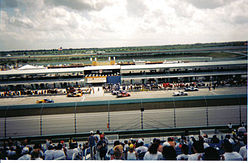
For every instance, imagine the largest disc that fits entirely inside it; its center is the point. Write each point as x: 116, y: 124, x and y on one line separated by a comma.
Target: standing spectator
x: 152, y: 153
x: 169, y: 153
x: 126, y: 148
x: 184, y: 155
x: 97, y: 139
x: 102, y: 147
x: 198, y: 149
x: 91, y: 141
x: 25, y: 154
x: 131, y: 155
x: 229, y: 155
x: 230, y: 127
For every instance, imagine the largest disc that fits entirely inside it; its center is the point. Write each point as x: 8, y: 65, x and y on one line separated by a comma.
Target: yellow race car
x: 45, y: 101
x: 75, y: 94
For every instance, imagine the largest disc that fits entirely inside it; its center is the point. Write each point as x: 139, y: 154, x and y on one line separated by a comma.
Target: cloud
x: 42, y: 24
x: 209, y: 4
x: 8, y: 4
x: 78, y: 4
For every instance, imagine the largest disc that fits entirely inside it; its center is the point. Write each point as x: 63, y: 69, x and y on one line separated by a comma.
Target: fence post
x: 142, y: 110
x: 41, y: 120
x: 174, y: 113
x: 5, y: 123
x: 108, y: 125
x: 240, y: 110
x: 206, y: 110
x: 75, y: 118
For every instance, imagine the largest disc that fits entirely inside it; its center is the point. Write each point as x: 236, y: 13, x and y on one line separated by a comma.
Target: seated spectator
x: 35, y: 155
x: 184, y: 155
x: 25, y: 154
x: 243, y: 150
x: 141, y: 149
x: 48, y: 155
x: 169, y: 153
x: 215, y: 139
x: 211, y: 153
x: 171, y: 142
x: 11, y: 153
x: 160, y: 147
x: 37, y: 149
x: 59, y: 153
x: 131, y: 155
x: 117, y: 154
x: 152, y: 153
x: 229, y: 155
x: 72, y: 149
x: 198, y: 149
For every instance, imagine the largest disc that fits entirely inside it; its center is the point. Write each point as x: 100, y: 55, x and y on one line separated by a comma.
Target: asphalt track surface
x: 101, y: 96
x: 123, y: 120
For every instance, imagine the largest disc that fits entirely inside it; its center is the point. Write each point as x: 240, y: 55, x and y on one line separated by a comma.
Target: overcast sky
x: 49, y: 24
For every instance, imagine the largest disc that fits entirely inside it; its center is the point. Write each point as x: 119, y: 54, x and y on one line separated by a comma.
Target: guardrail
x: 123, y: 134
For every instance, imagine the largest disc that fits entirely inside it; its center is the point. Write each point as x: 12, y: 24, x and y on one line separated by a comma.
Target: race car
x: 74, y: 94
x: 191, y: 89
x: 113, y: 92
x: 180, y: 93
x: 45, y: 101
x: 123, y: 94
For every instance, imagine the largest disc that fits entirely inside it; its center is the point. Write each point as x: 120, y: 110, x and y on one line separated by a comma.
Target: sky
x: 50, y: 24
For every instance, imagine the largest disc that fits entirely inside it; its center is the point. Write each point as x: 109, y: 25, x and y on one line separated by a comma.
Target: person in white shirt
x: 198, y: 148
x: 184, y: 155
x: 152, y: 153
x: 229, y: 155
x: 131, y: 155
x: 26, y: 155
x: 230, y: 127
x: 141, y: 149
x: 48, y: 155
x: 72, y: 149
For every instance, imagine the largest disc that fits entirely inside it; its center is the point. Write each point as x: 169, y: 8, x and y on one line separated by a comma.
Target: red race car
x: 123, y: 94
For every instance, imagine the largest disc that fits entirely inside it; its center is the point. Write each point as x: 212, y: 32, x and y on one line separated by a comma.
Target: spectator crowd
x: 231, y: 147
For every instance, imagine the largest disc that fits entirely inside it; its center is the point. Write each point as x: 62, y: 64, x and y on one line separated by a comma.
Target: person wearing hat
x: 141, y: 149
x: 25, y: 154
x: 131, y: 155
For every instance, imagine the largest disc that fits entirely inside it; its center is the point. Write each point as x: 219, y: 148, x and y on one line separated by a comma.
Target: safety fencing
x: 120, y: 115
